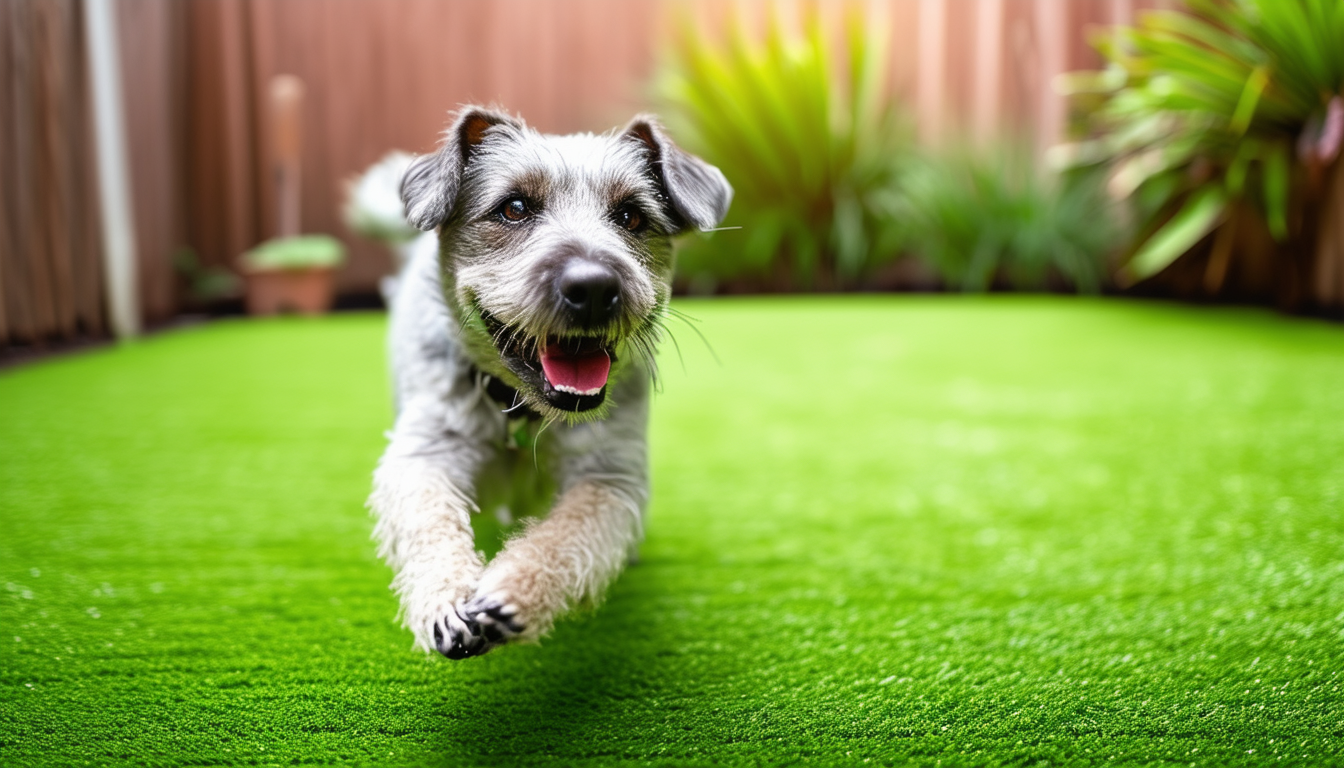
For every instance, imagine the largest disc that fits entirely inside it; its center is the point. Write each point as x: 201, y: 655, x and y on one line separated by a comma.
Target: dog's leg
x: 568, y: 558
x: 571, y: 556
x: 422, y: 497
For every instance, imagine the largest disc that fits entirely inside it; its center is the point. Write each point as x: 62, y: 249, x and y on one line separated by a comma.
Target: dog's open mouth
x: 576, y: 366
x: 570, y: 372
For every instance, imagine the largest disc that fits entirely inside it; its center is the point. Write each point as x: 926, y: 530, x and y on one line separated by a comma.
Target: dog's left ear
x: 698, y: 192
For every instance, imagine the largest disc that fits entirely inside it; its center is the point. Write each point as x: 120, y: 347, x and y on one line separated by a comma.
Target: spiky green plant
x: 980, y: 218
x: 1228, y: 103
x: 810, y: 138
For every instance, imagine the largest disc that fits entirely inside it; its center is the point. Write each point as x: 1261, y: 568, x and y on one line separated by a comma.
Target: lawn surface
x: 1002, y: 530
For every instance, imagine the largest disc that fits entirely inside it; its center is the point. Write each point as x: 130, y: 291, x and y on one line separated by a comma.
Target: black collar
x: 507, y: 397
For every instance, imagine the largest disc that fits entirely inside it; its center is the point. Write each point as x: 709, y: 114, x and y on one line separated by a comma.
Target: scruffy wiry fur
x: 482, y: 286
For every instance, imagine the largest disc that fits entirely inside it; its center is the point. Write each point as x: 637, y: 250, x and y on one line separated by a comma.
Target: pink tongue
x: 583, y: 373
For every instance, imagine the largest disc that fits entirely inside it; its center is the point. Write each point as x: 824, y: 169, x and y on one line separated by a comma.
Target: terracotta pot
x: 306, y: 290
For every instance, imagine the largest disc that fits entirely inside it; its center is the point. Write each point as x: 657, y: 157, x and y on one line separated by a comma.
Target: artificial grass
x: 967, y: 531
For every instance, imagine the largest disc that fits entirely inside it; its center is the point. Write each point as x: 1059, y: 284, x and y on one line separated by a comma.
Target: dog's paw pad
x: 458, y: 638
x: 498, y: 620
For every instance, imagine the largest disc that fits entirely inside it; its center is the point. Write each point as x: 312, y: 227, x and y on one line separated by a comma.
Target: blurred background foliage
x: 814, y: 146
x: 1224, y: 118
x: 831, y: 189
x: 991, y: 218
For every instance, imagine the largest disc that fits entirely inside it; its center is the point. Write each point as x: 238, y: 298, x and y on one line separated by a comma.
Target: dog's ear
x: 697, y: 191
x: 430, y: 185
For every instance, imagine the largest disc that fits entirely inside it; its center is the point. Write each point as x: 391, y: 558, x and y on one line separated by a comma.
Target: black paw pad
x: 457, y: 638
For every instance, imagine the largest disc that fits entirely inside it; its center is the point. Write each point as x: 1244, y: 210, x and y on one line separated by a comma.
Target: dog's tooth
x: 573, y: 391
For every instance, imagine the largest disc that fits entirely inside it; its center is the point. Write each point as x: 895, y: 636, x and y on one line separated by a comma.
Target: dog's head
x: 556, y: 250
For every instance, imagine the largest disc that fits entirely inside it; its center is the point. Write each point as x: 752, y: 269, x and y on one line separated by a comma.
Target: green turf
x: 974, y: 531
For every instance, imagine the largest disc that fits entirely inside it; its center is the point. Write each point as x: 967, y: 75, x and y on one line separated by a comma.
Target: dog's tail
x: 373, y: 208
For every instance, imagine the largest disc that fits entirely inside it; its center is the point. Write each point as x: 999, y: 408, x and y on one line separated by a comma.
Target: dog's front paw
x: 458, y: 637
x: 498, y: 620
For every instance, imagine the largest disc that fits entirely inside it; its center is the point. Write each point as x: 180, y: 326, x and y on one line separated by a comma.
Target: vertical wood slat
x: 86, y: 227
x: 222, y: 199
x: 1052, y: 44
x: 150, y: 33
x: 34, y: 133
x: 9, y: 242
x: 931, y: 80
x: 30, y: 322
x: 987, y: 103
x: 54, y: 40
x: 1327, y: 282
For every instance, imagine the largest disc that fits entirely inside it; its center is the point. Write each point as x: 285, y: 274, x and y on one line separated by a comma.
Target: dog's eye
x: 515, y: 209
x: 629, y: 217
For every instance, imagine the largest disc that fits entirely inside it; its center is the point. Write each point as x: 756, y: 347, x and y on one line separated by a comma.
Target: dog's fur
x: 485, y: 299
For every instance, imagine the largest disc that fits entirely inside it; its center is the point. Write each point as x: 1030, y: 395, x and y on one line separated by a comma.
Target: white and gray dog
x: 522, y: 339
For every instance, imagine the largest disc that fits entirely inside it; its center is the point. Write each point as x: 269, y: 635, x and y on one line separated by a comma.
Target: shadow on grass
x: 588, y: 684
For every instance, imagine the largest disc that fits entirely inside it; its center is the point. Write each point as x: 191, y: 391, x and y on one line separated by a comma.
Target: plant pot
x: 305, y: 290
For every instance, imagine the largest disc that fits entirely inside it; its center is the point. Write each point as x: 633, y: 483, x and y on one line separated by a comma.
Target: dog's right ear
x: 430, y: 185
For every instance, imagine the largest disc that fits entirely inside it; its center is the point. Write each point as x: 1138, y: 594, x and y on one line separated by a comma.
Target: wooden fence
x: 50, y: 278
x: 383, y: 75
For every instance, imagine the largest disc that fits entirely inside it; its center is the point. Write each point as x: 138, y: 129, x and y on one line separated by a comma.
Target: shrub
x: 1234, y: 103
x: 985, y: 218
x: 812, y: 144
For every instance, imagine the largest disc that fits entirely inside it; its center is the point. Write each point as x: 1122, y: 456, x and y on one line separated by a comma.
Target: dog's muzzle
x: 569, y: 365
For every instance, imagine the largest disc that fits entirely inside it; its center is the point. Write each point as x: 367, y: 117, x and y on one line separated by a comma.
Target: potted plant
x: 292, y: 274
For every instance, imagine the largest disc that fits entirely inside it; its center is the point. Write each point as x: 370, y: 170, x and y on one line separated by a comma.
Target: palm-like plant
x: 1233, y: 105
x: 812, y: 149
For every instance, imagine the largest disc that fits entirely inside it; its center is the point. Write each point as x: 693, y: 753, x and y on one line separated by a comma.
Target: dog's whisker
x: 516, y: 405
x: 708, y: 347
x: 546, y: 422
x: 677, y: 346
x: 680, y: 315
x: 646, y: 350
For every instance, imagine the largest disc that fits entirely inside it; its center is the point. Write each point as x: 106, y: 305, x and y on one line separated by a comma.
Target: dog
x: 522, y: 338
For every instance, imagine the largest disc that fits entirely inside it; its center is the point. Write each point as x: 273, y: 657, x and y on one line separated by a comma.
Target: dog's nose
x: 590, y: 292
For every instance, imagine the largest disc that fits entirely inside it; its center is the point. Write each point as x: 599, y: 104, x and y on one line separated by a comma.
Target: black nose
x: 590, y: 292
